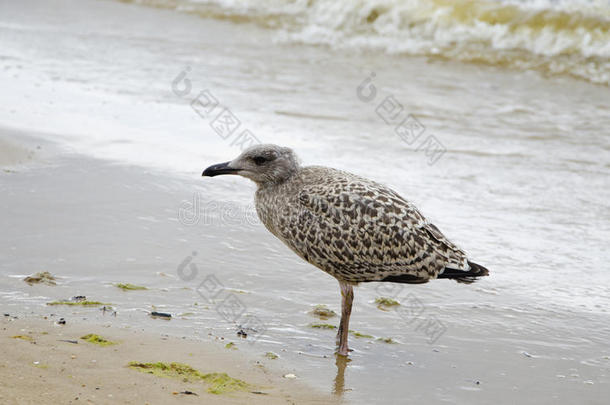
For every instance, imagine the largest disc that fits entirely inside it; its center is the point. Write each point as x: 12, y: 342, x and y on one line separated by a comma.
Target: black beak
x: 218, y: 169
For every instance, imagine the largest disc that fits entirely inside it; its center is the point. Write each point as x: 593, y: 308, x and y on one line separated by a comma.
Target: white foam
x: 519, y: 33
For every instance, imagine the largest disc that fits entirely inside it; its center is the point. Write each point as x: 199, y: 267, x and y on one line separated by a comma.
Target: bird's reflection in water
x: 341, y: 363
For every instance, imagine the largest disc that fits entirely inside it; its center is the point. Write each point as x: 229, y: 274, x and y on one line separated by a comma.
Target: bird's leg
x: 347, y: 297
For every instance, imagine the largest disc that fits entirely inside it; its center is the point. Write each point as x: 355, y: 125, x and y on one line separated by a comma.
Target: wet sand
x: 44, y: 365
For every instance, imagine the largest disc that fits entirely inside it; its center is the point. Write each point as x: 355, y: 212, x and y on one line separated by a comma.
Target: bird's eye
x: 259, y: 160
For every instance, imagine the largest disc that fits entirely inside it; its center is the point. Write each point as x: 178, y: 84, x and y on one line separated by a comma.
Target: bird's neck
x: 277, y: 181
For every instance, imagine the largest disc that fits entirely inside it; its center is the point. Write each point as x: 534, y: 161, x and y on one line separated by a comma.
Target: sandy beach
x: 102, y: 145
x: 50, y: 363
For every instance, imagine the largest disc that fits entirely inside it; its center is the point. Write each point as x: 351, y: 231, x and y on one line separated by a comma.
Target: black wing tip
x: 466, y: 277
x: 479, y: 271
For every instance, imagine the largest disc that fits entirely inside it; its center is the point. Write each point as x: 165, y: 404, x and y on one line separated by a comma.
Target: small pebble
x: 161, y: 315
x: 290, y: 376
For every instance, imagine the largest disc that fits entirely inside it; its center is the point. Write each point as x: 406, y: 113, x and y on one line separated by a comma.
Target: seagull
x: 352, y: 228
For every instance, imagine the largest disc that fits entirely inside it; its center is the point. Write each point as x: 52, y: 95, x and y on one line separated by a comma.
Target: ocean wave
x: 554, y: 37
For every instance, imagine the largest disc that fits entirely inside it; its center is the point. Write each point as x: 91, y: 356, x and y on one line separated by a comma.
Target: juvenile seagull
x: 354, y: 229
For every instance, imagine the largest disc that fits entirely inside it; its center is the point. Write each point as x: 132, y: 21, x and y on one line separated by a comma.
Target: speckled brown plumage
x: 353, y: 228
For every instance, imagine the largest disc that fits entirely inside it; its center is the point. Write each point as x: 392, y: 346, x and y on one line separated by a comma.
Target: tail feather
x: 465, y: 276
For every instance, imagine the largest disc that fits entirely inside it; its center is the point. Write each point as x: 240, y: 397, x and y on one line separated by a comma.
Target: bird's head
x: 264, y: 164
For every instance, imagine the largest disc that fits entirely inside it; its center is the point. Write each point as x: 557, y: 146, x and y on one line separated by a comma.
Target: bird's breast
x: 271, y: 208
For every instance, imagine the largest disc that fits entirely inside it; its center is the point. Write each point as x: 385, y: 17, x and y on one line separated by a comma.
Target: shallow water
x: 522, y: 185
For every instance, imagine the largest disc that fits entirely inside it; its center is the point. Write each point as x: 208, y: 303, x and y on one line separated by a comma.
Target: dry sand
x: 48, y: 369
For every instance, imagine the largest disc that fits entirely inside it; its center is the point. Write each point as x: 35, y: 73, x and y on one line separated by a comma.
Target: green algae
x: 322, y: 312
x: 23, y: 337
x: 360, y: 335
x: 387, y: 340
x: 129, y: 287
x: 271, y: 356
x: 230, y: 345
x: 322, y: 326
x: 78, y: 303
x: 219, y: 383
x: 43, y: 277
x: 97, y: 340
x: 384, y: 303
